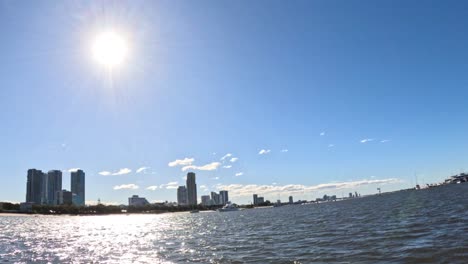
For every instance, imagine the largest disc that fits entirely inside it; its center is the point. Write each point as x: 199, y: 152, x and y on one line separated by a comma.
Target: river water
x: 425, y: 226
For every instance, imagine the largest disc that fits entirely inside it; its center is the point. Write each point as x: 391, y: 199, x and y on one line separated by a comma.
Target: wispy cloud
x: 226, y: 156
x: 241, y: 190
x: 234, y: 160
x: 142, y: 169
x: 367, y: 140
x: 208, y: 167
x: 123, y: 171
x: 130, y: 186
x: 215, y: 178
x: 331, y: 145
x: 152, y: 188
x: 227, y: 166
x: 322, y: 133
x: 181, y: 162
x: 119, y: 172
x: 73, y: 169
x: 385, y: 141
x: 170, y: 185
x: 284, y: 150
x: 264, y: 151
x: 239, y: 174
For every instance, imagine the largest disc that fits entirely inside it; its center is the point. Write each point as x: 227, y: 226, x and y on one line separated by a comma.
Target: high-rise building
x: 291, y: 200
x: 255, y: 199
x: 224, y: 198
x: 35, y: 186
x: 215, y: 197
x: 63, y: 197
x: 78, y: 186
x: 182, y: 195
x: 191, y: 189
x: 206, y: 200
x: 53, y: 184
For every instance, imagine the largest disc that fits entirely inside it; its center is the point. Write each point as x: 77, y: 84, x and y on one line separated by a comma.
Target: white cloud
x: 152, y: 188
x: 142, y: 169
x: 331, y: 145
x: 367, y: 140
x: 170, y: 185
x: 241, y: 190
x: 227, y: 166
x: 234, y: 160
x: 119, y: 172
x: 184, y: 162
x: 385, y: 141
x: 122, y: 171
x: 73, y: 169
x: 130, y: 186
x: 284, y: 150
x: 264, y: 151
x: 239, y: 174
x: 208, y: 167
x: 322, y: 134
x: 226, y: 156
x: 215, y: 178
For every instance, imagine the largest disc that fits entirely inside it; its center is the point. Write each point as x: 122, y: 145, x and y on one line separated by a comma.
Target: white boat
x: 229, y: 207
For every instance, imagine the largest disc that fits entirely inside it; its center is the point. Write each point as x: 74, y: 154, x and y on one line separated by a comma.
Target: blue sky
x: 204, y: 79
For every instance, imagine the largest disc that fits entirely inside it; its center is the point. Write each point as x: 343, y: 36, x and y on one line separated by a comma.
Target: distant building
x: 191, y: 189
x: 216, y: 198
x: 350, y: 195
x: 224, y: 198
x: 255, y: 199
x: 182, y: 195
x: 260, y: 200
x: 63, y: 197
x: 53, y: 185
x: 78, y: 187
x: 35, y: 186
x: 291, y: 200
x: 206, y: 200
x: 137, y: 201
x: 26, y: 207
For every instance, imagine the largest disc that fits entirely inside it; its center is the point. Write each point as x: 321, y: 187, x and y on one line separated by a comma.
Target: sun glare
x: 109, y: 49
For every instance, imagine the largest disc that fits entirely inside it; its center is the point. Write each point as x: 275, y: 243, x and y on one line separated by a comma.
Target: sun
x: 110, y: 49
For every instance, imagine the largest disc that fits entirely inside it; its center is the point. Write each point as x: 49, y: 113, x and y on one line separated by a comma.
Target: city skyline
x: 304, y: 100
x: 47, y: 189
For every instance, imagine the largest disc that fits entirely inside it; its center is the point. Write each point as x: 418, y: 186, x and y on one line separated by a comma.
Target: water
x: 407, y: 227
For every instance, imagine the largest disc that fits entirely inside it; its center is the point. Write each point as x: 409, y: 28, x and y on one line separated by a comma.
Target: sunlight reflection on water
x: 416, y: 226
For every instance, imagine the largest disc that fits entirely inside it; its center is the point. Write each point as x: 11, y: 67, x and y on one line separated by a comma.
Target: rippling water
x: 407, y: 227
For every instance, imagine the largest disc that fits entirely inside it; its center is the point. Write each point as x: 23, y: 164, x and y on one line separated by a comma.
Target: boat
x: 229, y: 207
